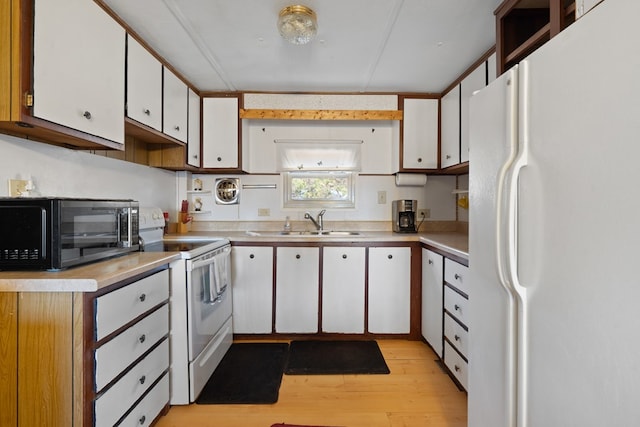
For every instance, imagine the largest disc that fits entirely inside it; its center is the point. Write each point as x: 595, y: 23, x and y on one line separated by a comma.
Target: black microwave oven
x: 56, y: 233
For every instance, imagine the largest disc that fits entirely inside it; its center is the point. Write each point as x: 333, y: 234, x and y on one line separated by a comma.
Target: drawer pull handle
x: 457, y: 276
x: 430, y: 262
x: 298, y: 256
x: 390, y: 256
x: 142, y: 420
x: 344, y: 256
x: 457, y: 337
x: 142, y: 338
x: 142, y: 297
x: 252, y: 256
x: 143, y: 379
x: 457, y: 368
x: 456, y: 307
x: 147, y: 112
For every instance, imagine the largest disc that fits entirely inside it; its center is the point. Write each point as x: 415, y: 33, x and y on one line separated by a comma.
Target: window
x: 321, y: 189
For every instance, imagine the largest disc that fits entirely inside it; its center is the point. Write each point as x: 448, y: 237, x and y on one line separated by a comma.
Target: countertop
x: 86, y: 278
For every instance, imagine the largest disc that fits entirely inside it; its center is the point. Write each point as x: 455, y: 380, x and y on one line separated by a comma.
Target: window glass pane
x: 326, y: 189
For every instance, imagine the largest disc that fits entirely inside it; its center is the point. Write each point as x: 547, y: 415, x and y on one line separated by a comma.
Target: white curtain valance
x: 318, y: 155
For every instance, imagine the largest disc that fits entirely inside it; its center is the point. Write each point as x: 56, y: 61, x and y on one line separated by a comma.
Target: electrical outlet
x: 382, y: 197
x: 424, y: 213
x: 264, y: 212
x: 18, y: 187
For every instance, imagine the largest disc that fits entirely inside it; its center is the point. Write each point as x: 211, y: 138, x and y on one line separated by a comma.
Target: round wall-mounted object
x: 227, y: 191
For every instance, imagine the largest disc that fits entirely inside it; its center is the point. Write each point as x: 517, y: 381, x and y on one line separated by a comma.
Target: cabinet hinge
x: 28, y: 99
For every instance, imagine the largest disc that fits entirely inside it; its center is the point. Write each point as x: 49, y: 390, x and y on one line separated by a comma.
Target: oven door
x: 209, y: 297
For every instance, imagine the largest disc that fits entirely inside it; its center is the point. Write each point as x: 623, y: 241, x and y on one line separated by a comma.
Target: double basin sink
x: 307, y: 233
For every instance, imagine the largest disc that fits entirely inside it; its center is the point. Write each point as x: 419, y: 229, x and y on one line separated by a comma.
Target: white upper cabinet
x: 193, y: 137
x: 450, y: 128
x: 174, y: 106
x: 492, y: 69
x: 475, y: 81
x: 220, y: 132
x: 420, y: 134
x: 78, y: 72
x: 144, y: 85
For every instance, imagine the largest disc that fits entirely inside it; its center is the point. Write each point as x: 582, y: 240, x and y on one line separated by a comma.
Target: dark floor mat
x: 313, y: 357
x: 249, y: 373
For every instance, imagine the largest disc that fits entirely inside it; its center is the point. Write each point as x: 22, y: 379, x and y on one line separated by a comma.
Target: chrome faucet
x: 319, y: 222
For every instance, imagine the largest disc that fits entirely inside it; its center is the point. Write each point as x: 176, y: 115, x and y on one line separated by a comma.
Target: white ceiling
x: 361, y: 46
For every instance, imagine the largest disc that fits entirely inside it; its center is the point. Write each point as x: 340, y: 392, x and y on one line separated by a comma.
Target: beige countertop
x: 86, y: 278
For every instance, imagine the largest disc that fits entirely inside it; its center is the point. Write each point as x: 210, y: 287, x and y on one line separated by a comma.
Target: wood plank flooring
x: 417, y: 393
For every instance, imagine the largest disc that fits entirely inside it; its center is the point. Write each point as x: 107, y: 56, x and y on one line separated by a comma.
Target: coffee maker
x: 404, y: 216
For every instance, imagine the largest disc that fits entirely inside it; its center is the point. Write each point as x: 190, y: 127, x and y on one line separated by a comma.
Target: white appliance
x: 200, y: 303
x: 554, y: 232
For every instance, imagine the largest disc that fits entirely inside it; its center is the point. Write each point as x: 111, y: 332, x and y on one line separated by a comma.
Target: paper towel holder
x: 411, y: 179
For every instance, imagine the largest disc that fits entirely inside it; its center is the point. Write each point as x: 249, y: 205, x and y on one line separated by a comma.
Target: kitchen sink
x: 307, y: 233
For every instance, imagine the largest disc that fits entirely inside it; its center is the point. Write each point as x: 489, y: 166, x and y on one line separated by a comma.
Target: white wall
x: 62, y: 172
x: 435, y: 195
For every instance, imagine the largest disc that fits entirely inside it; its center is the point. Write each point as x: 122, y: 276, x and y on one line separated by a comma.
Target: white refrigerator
x: 554, y: 232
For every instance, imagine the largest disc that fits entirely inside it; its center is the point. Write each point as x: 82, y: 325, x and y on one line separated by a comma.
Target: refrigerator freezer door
x: 493, y: 148
x: 578, y: 231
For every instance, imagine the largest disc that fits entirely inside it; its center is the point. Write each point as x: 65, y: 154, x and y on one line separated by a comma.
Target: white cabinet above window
x: 220, y: 133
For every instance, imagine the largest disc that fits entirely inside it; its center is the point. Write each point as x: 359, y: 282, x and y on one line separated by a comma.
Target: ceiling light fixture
x: 297, y: 24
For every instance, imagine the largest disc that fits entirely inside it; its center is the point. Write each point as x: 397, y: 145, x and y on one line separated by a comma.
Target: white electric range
x: 200, y: 304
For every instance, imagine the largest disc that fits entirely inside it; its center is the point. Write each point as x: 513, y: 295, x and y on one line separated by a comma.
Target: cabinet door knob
x: 147, y: 112
x: 456, y: 307
x: 143, y: 379
x: 457, y: 368
x: 344, y: 256
x: 297, y: 256
x: 142, y: 338
x: 390, y: 256
x: 87, y: 115
x: 457, y: 337
x: 219, y: 159
x: 419, y: 159
x: 430, y: 262
x: 177, y: 128
x: 448, y: 156
x: 457, y: 276
x: 142, y: 297
x: 252, y: 256
x: 142, y: 420
x: 195, y: 156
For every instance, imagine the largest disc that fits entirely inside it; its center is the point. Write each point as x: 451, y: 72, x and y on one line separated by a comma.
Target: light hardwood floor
x: 417, y: 393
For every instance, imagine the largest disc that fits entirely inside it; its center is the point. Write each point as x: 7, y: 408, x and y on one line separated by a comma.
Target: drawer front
x: 117, y: 308
x: 117, y: 400
x: 114, y: 356
x: 456, y: 275
x: 456, y: 334
x: 149, y: 408
x: 456, y: 304
x: 456, y: 364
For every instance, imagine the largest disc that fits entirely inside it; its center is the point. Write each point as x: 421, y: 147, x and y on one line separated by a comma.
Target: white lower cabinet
x: 252, y: 278
x: 343, y: 289
x: 389, y: 290
x: 432, y: 277
x: 297, y: 289
x: 456, y: 319
x: 130, y: 378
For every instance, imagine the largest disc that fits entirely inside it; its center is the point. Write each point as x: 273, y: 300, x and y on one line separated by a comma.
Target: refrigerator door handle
x: 511, y: 237
x: 504, y: 199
